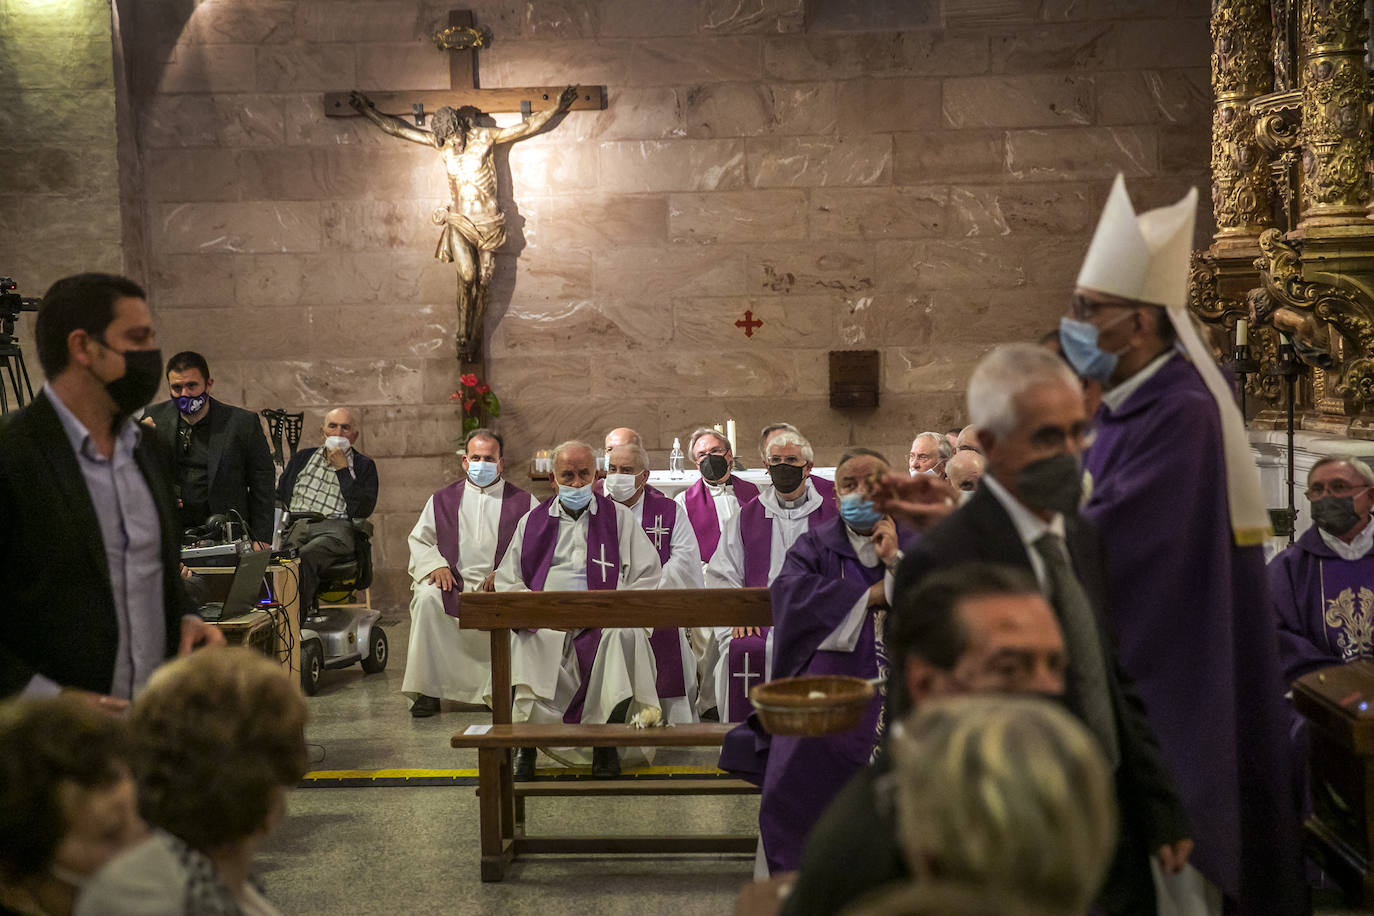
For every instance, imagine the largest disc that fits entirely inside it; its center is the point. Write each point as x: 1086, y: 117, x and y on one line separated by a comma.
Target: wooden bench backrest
x: 677, y: 607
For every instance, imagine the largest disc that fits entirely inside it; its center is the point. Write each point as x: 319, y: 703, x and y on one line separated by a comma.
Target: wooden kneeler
x: 501, y: 801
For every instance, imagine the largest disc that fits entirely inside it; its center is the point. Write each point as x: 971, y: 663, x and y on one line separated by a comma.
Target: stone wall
x: 915, y: 177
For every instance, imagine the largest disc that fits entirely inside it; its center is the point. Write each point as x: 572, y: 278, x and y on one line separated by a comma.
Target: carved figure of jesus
x: 473, y: 224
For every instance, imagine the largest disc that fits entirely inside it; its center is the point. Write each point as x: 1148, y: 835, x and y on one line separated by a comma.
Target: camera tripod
x: 12, y: 361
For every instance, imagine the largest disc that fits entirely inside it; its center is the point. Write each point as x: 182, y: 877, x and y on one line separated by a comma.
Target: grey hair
x: 941, y: 444
x: 707, y: 431
x: 570, y: 445
x: 1355, y: 464
x: 1005, y: 792
x: 1004, y: 375
x: 641, y: 457
x: 792, y: 437
x: 769, y: 430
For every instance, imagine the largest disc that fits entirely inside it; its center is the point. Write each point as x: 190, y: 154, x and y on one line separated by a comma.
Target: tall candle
x: 730, y: 432
x: 1242, y: 332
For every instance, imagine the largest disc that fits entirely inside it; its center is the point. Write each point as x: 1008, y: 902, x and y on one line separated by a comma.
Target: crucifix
x: 473, y: 226
x: 749, y: 322
x: 658, y: 531
x: 603, y: 563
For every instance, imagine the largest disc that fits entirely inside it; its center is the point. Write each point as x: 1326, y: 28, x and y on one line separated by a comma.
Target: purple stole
x: 747, y: 653
x: 603, y: 572
x: 446, y: 505
x: 701, y: 511
x: 660, y: 515
x: 1346, y: 607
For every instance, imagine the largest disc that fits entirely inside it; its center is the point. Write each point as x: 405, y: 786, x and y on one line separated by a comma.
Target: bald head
x: 965, y: 469
x: 968, y: 440
x: 341, y: 422
x: 622, y: 435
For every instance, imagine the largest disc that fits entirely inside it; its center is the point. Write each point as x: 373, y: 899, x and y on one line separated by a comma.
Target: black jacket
x: 1152, y: 814
x: 57, y: 609
x: 359, y: 485
x: 241, y: 471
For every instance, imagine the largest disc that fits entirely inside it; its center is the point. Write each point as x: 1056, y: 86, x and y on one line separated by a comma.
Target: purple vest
x: 541, y: 536
x: 701, y: 511
x: 756, y: 537
x: 446, y: 505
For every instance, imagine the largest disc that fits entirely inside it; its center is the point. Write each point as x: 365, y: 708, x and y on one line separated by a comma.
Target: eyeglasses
x: 789, y: 460
x: 718, y: 451
x: 1337, y: 488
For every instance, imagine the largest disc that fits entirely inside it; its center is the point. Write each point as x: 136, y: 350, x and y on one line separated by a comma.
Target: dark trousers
x: 321, y: 545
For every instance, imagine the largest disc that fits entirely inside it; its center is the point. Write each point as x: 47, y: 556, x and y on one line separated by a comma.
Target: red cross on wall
x: 749, y: 322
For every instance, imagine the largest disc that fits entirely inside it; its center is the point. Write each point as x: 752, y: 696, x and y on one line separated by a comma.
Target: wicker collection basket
x: 790, y: 706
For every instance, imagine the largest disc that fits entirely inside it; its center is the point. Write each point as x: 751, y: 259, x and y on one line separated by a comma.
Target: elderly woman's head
x: 218, y: 736
x: 1006, y: 795
x: 66, y: 799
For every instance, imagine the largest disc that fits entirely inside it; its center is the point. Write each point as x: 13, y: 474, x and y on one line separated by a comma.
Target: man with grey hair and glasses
x: 929, y: 452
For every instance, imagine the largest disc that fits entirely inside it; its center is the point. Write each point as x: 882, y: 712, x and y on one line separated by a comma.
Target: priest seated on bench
x: 574, y: 541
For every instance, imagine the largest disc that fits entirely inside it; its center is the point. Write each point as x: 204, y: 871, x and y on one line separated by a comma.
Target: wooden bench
x: 502, y: 800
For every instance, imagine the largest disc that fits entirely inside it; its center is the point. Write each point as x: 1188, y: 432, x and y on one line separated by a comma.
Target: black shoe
x: 524, y: 762
x: 425, y: 706
x: 605, y: 763
x: 711, y: 715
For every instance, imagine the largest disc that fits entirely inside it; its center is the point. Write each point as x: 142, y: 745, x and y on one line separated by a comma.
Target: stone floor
x: 402, y: 850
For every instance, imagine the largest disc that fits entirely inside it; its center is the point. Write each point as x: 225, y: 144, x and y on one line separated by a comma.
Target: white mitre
x: 1145, y: 258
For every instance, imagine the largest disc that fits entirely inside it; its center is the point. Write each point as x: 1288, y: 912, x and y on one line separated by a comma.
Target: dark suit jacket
x: 359, y: 485
x: 1152, y: 813
x: 57, y: 610
x: 241, y: 472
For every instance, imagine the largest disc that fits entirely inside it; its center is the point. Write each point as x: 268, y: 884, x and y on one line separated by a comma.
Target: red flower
x: 469, y: 379
x: 467, y: 405
x: 455, y: 396
x: 484, y: 388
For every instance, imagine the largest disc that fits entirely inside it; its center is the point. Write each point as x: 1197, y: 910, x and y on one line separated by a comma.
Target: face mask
x: 337, y: 442
x: 1079, y: 340
x: 713, y: 467
x: 190, y: 406
x: 859, y: 512
x: 482, y: 473
x: 1052, y: 484
x: 1335, y: 514
x: 785, y: 477
x: 140, y: 381
x: 620, y: 487
x: 575, y: 498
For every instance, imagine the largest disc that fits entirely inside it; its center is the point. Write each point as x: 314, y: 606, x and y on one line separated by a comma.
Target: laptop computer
x: 243, y: 590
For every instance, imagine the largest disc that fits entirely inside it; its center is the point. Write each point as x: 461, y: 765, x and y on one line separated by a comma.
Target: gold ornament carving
x: 1335, y: 134
x: 1332, y: 23
x: 1241, y: 71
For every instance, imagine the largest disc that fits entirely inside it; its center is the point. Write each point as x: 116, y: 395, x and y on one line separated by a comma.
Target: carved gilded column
x: 1241, y: 71
x: 1335, y: 133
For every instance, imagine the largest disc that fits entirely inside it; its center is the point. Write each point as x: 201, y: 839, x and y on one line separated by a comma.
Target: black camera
x: 11, y: 304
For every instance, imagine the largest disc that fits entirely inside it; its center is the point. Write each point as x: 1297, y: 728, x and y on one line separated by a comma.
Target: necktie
x: 1088, y: 690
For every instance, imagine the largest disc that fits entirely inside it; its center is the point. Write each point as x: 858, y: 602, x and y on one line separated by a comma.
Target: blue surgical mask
x: 1079, y: 340
x: 190, y: 406
x: 482, y: 473
x: 575, y: 498
x: 859, y: 512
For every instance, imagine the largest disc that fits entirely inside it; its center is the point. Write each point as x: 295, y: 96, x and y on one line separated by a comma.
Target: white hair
x: 1355, y: 464
x: 703, y: 431
x: 1007, y: 373
x: 942, y: 445
x: 790, y: 437
x: 571, y: 445
x: 641, y: 457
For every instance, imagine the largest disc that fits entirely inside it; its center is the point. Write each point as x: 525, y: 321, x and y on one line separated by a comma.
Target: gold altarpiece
x: 1294, y: 247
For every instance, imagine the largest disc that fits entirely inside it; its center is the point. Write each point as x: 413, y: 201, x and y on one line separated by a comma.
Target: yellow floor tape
x: 542, y: 771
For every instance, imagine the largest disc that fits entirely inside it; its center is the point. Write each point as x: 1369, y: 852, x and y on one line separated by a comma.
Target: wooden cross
x: 749, y: 322
x: 463, y: 90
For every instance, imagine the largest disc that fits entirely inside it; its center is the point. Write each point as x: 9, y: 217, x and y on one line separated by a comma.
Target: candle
x: 1242, y: 332
x: 730, y: 432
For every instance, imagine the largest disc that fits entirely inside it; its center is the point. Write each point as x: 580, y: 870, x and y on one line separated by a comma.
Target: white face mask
x: 620, y: 487
x: 337, y: 442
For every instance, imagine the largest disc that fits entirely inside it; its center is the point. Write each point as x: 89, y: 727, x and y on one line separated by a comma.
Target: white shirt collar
x: 494, y: 488
x: 79, y: 436
x: 1118, y: 395
x: 1356, y: 549
x: 772, y: 503
x: 863, y: 546
x: 1029, y: 526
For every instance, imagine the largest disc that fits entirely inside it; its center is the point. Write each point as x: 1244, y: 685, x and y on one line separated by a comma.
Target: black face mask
x: 713, y: 467
x: 140, y: 381
x: 786, y: 477
x: 1052, y: 484
x: 1335, y: 514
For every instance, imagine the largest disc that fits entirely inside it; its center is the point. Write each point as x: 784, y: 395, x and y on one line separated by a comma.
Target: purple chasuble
x: 660, y: 515
x: 1197, y: 632
x: 701, y: 510
x: 447, y: 502
x: 603, y: 572
x: 818, y: 585
x: 1325, y: 606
